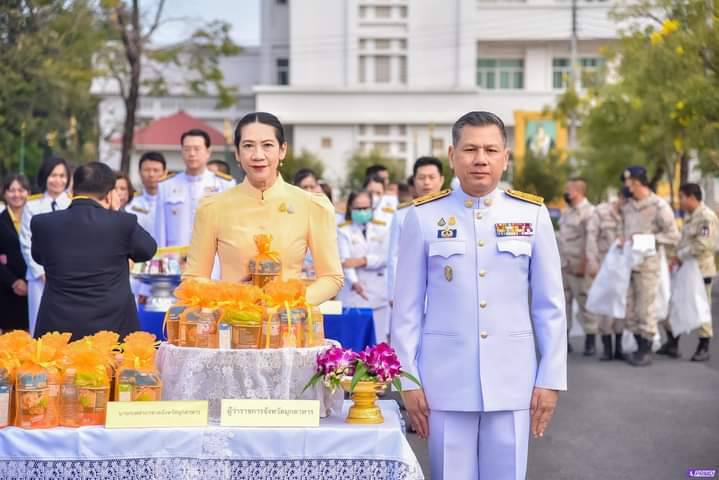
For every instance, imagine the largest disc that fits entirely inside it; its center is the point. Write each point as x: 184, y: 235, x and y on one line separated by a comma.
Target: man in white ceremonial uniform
x: 53, y: 178
x: 428, y: 178
x: 153, y: 168
x: 486, y: 263
x: 363, y: 244
x: 178, y: 196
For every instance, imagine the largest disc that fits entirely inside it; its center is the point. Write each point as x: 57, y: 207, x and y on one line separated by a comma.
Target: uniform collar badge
x: 282, y: 208
x: 469, y: 203
x: 441, y: 222
x: 513, y: 229
x: 452, y: 221
x: 448, y: 273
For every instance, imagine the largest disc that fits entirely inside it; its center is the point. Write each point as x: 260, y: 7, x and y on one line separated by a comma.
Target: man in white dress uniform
x: 486, y: 263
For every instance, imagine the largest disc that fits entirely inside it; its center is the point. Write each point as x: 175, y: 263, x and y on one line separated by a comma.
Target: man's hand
x: 544, y: 401
x: 20, y: 287
x: 416, y: 405
x: 42, y: 278
x: 355, y: 262
x: 359, y: 288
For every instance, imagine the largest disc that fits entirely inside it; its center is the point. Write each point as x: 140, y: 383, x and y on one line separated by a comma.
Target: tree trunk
x: 128, y: 133
x: 683, y: 168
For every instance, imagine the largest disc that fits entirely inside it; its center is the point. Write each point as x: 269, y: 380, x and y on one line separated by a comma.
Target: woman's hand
x: 20, y: 287
x: 359, y: 288
x: 355, y: 262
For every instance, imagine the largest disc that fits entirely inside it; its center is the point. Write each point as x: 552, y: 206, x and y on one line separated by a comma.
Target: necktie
x: 53, y: 205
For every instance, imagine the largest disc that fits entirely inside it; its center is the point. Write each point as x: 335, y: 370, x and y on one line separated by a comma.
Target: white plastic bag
x: 689, y: 303
x: 664, y: 287
x: 608, y: 294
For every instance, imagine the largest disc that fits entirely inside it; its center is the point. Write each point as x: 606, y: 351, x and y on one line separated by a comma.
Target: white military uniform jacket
x: 386, y: 209
x: 178, y: 197
x: 143, y: 207
x: 374, y: 245
x: 35, y: 206
x: 394, y: 234
x: 489, y: 269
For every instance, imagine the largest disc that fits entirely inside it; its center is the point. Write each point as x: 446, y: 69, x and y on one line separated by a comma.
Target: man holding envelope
x: 647, y: 222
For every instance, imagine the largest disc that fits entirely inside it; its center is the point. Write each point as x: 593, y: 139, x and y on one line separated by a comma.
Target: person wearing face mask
x: 648, y: 215
x: 52, y: 178
x: 699, y: 236
x: 572, y: 250
x: 297, y: 220
x: 85, y: 251
x: 13, y: 286
x: 364, y: 247
x: 602, y: 233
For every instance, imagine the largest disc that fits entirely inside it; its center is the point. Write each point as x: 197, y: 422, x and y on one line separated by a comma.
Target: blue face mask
x: 362, y: 217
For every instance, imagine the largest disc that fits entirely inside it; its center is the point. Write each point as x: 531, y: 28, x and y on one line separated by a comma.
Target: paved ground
x: 621, y: 422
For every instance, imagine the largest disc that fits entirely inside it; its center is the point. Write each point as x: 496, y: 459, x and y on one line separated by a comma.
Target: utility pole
x: 574, y: 79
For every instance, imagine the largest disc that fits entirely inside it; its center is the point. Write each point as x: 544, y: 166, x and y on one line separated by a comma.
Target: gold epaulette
x: 430, y: 197
x: 388, y: 210
x: 224, y: 176
x: 344, y: 224
x: 35, y: 196
x: 379, y: 222
x: 136, y: 194
x: 405, y: 204
x: 168, y: 176
x: 527, y: 197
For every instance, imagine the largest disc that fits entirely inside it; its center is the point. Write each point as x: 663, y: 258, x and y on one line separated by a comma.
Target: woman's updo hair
x: 260, y: 117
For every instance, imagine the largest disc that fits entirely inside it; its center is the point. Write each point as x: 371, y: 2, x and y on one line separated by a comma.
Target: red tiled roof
x: 167, y: 131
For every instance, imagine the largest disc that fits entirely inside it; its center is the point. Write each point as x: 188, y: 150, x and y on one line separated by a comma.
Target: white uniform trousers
x: 478, y: 445
x: 381, y: 318
x: 35, y: 288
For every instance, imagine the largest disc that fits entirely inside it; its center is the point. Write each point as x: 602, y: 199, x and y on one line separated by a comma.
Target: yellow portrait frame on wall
x: 521, y: 120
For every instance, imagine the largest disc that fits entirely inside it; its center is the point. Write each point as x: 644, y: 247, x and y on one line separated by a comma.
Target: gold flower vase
x: 364, y: 409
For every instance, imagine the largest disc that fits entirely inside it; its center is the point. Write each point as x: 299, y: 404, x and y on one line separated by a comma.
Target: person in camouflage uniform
x: 645, y: 213
x: 572, y: 250
x: 698, y: 240
x: 602, y: 233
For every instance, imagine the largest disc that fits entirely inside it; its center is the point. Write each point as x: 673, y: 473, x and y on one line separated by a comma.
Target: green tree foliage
x: 663, y: 104
x: 542, y: 175
x: 130, y: 58
x: 46, y: 51
x: 294, y: 162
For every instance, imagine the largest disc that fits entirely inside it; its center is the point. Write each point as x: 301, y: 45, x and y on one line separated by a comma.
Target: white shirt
x: 143, y: 207
x: 177, y: 200
x: 35, y: 206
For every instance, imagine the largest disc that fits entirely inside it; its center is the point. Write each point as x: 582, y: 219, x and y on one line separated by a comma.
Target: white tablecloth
x: 334, y: 451
x: 211, y: 374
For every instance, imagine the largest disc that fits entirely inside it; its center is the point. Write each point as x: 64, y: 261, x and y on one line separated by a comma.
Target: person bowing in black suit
x: 85, y: 251
x: 13, y: 287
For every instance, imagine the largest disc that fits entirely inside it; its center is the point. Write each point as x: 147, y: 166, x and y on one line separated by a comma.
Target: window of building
x: 283, y: 71
x: 437, y: 144
x: 281, y: 2
x: 382, y: 44
x: 362, y: 69
x: 402, y: 43
x: 589, y: 72
x: 500, y: 73
x: 402, y: 130
x: 382, y: 69
x: 402, y: 12
x: 382, y: 12
x: 326, y: 142
x: 381, y: 130
x: 402, y: 147
x: 383, y: 147
x: 363, y: 12
x: 403, y: 69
